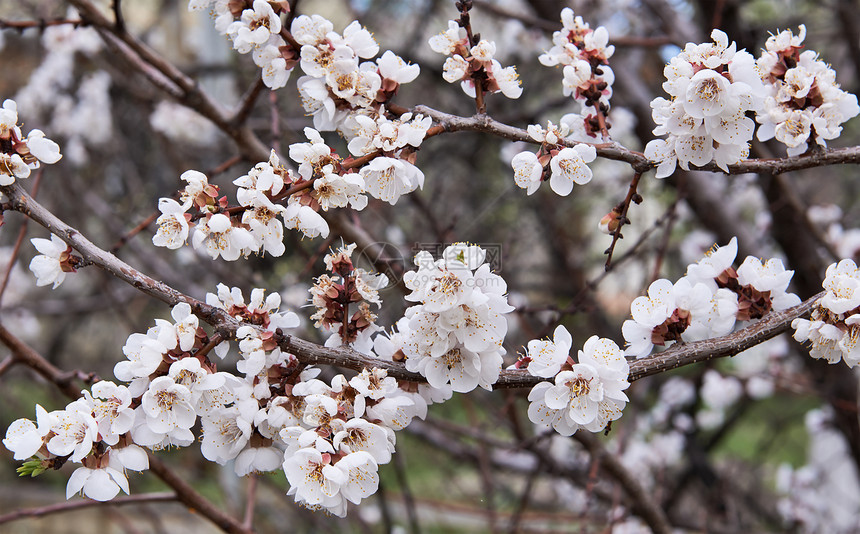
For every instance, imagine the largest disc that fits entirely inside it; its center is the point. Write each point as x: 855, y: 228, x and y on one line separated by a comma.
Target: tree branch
x: 637, y: 160
x: 646, y: 508
x: 77, y: 505
x: 676, y: 356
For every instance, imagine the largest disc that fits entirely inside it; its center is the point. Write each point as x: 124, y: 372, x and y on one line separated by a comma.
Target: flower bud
x: 609, y: 223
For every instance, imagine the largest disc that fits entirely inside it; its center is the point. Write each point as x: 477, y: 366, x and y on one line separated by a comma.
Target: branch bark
x: 637, y: 160
x: 676, y: 356
x: 645, y: 506
x: 42, y: 511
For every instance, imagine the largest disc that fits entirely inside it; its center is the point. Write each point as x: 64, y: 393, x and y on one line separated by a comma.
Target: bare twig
x: 24, y: 354
x: 193, y: 500
x: 21, y: 25
x: 247, y: 102
x: 133, y: 232
x: 22, y: 233
x: 647, y: 509
x: 7, y: 364
x: 622, y: 209
x: 77, y: 505
x: 250, y: 501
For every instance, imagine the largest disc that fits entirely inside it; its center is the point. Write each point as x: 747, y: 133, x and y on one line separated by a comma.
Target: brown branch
x: 21, y: 25
x: 24, y: 354
x: 485, y: 124
x: 22, y: 233
x: 247, y: 102
x: 170, y: 79
x: 682, y: 354
x: 188, y: 496
x: 622, y: 209
x: 642, y: 502
x: 77, y: 505
x: 676, y: 356
x: 7, y: 364
x: 637, y: 160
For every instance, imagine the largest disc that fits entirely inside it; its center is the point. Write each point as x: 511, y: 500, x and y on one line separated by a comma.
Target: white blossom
x: 172, y: 224
x: 47, y: 266
x: 24, y: 438
x: 569, y: 167
x: 99, y: 484
x: 546, y: 357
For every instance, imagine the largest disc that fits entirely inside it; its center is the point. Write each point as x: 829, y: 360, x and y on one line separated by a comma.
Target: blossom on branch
x: 712, y: 86
x: 804, y: 105
x: 473, y: 64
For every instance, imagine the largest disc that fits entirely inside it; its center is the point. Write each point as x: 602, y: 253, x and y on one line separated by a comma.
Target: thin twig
x: 133, y: 232
x: 622, y: 209
x: 247, y: 102
x: 117, y: 14
x: 21, y: 25
x: 22, y: 233
x: 525, y: 497
x: 42, y: 511
x: 7, y: 364
x: 648, y: 510
x: 250, y: 502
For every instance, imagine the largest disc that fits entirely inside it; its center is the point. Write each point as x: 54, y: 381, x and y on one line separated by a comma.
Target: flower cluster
x: 170, y: 382
x: 256, y: 30
x: 707, y: 301
x: 392, y: 173
x: 333, y: 186
x: 804, y: 104
x: 472, y: 63
x: 455, y: 334
x: 586, y: 393
x: 562, y: 165
x: 833, y: 332
x: 251, y: 227
x: 270, y: 196
x: 18, y: 154
x: 584, y: 54
x: 332, y: 295
x: 328, y: 438
x: 336, y: 86
x: 712, y: 86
